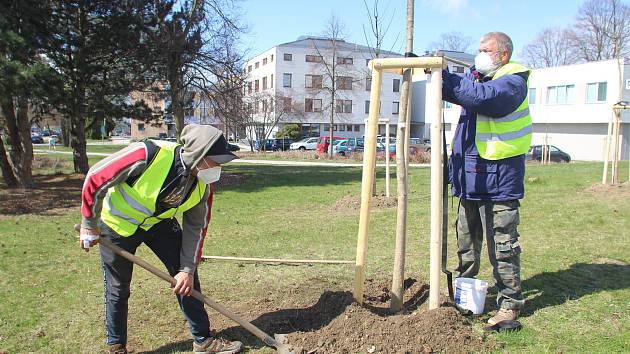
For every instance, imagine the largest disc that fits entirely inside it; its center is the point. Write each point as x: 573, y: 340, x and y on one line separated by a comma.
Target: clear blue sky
x: 272, y: 22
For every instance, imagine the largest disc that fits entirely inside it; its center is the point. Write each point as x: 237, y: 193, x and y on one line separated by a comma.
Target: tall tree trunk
x: 65, y: 131
x: 21, y: 152
x: 7, y: 173
x: 77, y: 132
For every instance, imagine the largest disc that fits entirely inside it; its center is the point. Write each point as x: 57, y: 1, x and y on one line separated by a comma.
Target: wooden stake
x: 369, y: 164
x: 434, y: 103
x: 387, y: 176
x: 615, y: 164
x: 276, y: 260
x: 607, y: 153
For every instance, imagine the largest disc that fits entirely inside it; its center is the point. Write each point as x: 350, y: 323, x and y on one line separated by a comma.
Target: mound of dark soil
x: 610, y: 191
x: 336, y: 324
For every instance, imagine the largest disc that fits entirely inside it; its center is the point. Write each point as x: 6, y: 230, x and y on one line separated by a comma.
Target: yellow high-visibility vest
x: 127, y: 207
x: 510, y: 135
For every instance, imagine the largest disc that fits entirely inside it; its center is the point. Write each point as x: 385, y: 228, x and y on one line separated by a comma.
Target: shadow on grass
x: 555, y: 288
x: 261, y: 177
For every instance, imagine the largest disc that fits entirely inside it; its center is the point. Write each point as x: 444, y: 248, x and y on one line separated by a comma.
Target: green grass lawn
x: 575, y: 261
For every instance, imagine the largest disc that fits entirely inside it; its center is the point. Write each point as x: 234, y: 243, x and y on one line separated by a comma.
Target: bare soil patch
x: 352, y: 202
x: 52, y: 192
x: 335, y: 324
x: 230, y: 179
x: 610, y: 191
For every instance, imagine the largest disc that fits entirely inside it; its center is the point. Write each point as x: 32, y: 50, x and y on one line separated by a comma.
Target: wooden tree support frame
x: 434, y: 111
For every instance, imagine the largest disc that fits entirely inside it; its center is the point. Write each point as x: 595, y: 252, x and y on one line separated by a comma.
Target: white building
x: 296, y: 73
x: 570, y: 106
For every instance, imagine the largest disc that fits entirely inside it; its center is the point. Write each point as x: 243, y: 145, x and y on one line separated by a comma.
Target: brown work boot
x: 118, y: 349
x: 217, y: 346
x: 503, y: 315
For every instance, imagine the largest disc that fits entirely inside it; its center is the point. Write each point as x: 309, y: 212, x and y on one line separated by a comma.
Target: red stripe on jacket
x: 205, y: 229
x: 94, y: 182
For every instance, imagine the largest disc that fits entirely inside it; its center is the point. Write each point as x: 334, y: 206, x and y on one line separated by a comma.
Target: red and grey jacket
x: 128, y: 164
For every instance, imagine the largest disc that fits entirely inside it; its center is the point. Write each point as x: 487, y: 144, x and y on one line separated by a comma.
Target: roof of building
x: 326, y: 43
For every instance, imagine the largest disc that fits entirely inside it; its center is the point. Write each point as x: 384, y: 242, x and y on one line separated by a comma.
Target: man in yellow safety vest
x: 132, y: 197
x: 487, y: 165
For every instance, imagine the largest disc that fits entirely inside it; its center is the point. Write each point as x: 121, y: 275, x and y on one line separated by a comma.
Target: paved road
x: 262, y: 162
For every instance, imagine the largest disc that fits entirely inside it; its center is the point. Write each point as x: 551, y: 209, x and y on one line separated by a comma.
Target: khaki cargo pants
x: 497, y: 223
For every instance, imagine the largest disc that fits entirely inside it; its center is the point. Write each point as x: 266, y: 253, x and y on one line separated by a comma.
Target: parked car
x: 340, y: 147
x: 282, y: 144
x: 37, y: 139
x: 305, y: 144
x: 233, y: 147
x: 422, y: 145
x: 268, y: 144
x: 324, y: 141
x: 536, y: 151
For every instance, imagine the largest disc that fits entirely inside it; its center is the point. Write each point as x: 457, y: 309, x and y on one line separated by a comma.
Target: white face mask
x: 209, y: 175
x: 484, y: 63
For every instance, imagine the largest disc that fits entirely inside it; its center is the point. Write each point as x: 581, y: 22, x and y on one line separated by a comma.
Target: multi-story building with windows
x: 298, y: 76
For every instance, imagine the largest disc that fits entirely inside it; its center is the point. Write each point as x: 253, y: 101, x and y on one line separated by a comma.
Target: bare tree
x: 602, y: 30
x: 336, y: 70
x: 552, y: 47
x: 263, y: 111
x: 454, y: 41
x: 378, y: 29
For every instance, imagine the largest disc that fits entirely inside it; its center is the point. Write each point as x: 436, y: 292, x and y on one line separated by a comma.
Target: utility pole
x: 402, y: 160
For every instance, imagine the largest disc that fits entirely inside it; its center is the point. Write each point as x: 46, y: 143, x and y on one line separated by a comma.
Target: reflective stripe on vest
x: 507, y: 136
x: 128, y: 207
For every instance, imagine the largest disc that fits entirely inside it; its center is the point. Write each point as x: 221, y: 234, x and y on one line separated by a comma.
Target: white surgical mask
x: 484, y: 63
x: 209, y: 175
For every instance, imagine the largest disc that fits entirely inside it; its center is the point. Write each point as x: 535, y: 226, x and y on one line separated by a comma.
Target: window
x: 326, y: 127
x: 286, y: 104
x: 532, y: 95
x: 249, y: 69
x: 342, y: 127
x: 395, y: 107
x: 313, y: 81
x: 271, y: 60
x: 343, y: 106
x: 368, y: 84
x: 396, y: 85
x: 256, y: 85
x: 367, y: 107
x: 286, y: 80
x: 140, y: 127
x: 312, y: 105
x: 347, y: 61
x: 249, y: 87
x: 596, y: 92
x: 264, y: 61
x: 256, y: 65
x: 288, y: 57
x: 367, y: 62
x: 560, y: 94
x: 271, y: 81
x: 458, y: 69
x: 264, y: 79
x: 265, y: 106
x: 357, y: 128
x: 344, y: 83
x: 314, y: 58
x: 349, y: 127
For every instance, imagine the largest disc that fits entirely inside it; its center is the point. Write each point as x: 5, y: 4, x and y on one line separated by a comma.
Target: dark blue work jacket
x: 473, y: 177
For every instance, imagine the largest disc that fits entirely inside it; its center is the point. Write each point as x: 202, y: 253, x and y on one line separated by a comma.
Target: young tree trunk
x: 7, y: 173
x: 78, y: 143
x: 21, y: 152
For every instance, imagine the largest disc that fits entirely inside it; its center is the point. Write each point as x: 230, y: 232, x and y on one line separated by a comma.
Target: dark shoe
x: 217, y: 346
x: 118, y: 349
x: 504, y: 315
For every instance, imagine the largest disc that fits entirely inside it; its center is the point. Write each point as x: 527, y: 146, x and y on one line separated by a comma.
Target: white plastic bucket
x: 470, y: 294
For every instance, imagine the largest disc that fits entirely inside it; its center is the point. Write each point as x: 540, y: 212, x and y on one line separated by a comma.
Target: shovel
x: 276, y: 341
